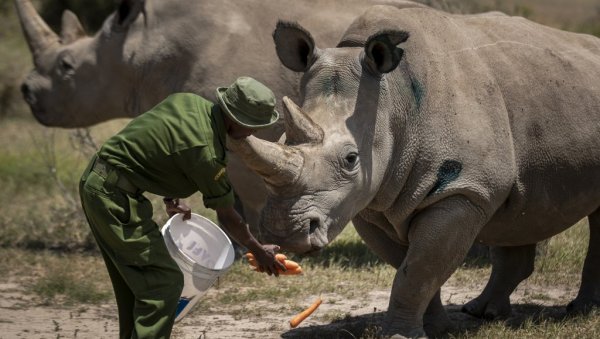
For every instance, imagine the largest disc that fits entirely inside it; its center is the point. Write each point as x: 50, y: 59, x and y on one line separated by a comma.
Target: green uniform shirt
x: 174, y: 150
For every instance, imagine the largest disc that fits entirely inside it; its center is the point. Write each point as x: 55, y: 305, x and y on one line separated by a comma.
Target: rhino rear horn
x: 295, y: 46
x: 71, y: 28
x: 381, y: 52
x: 37, y: 33
x: 299, y: 127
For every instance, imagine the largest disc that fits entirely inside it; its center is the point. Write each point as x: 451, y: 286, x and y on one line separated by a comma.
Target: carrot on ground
x: 304, y: 314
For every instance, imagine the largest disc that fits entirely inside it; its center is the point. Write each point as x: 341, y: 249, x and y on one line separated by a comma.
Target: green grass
x: 39, y: 175
x: 344, y: 262
x: 564, y: 256
x: 57, y: 279
x: 539, y: 327
x: 68, y: 279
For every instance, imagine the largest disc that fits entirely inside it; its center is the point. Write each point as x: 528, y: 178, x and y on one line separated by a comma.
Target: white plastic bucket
x: 202, y: 251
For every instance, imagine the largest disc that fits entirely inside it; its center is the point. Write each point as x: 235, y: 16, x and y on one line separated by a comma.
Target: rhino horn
x: 71, y: 28
x: 37, y: 33
x: 277, y: 164
x: 299, y: 127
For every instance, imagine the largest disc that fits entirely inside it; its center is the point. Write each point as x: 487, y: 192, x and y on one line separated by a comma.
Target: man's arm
x: 235, y: 225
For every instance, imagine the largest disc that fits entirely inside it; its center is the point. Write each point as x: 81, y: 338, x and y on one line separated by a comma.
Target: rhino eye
x: 351, y: 160
x: 66, y: 65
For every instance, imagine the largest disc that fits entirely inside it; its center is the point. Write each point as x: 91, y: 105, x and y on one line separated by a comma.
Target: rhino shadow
x: 368, y: 325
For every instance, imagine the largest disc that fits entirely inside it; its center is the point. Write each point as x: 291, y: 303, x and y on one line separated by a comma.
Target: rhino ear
x: 294, y: 45
x: 71, y: 28
x: 381, y: 53
x: 128, y: 12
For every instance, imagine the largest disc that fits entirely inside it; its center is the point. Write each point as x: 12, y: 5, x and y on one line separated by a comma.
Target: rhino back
x: 197, y: 46
x: 549, y: 83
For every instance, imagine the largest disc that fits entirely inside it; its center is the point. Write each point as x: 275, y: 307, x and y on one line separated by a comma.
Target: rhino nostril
x: 314, y: 224
x: 28, y: 95
x: 25, y: 89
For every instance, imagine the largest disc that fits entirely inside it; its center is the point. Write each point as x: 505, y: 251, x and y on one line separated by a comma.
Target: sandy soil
x: 22, y: 317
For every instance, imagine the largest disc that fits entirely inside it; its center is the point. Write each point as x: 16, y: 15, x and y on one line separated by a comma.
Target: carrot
x: 291, y: 265
x: 304, y: 314
x: 279, y: 256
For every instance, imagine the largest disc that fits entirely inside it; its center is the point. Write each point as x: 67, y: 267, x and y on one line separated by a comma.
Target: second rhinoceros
x: 430, y: 132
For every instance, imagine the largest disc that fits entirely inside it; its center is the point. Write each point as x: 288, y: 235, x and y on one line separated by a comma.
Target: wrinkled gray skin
x: 473, y: 129
x: 149, y: 49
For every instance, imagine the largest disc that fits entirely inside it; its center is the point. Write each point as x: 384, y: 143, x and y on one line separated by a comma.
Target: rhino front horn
x: 37, y: 33
x: 299, y: 127
x: 277, y: 164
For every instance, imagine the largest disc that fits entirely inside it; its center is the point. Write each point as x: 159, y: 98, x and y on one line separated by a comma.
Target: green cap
x: 249, y: 103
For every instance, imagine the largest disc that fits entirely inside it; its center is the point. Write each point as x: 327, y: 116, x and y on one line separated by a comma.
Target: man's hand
x: 174, y: 206
x: 233, y: 223
x: 266, y: 262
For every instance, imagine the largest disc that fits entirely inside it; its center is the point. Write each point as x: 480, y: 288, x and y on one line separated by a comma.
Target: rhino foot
x: 437, y: 325
x: 396, y: 332
x: 582, y: 306
x: 410, y: 335
x: 489, y: 310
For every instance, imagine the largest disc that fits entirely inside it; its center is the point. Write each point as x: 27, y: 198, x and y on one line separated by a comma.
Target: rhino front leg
x: 589, y: 291
x: 510, y: 266
x: 439, y: 238
x: 436, y: 321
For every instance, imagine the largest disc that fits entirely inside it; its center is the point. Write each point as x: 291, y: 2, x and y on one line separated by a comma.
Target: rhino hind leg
x: 510, y: 266
x: 589, y: 291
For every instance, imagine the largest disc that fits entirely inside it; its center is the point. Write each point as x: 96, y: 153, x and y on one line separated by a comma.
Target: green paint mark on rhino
x: 418, y: 91
x: 331, y: 86
x: 448, y: 172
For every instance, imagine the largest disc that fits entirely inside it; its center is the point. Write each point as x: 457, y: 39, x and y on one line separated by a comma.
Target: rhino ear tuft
x: 295, y: 46
x: 381, y: 52
x: 71, y: 28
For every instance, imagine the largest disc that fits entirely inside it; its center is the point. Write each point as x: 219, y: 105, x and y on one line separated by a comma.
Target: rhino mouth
x: 32, y: 101
x: 41, y: 116
x: 309, y: 238
x: 317, y: 234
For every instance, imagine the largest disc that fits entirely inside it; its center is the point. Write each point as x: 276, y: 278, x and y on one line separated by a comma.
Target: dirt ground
x: 22, y: 317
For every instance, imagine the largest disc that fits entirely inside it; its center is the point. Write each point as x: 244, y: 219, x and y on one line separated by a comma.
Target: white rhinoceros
x: 473, y: 129
x: 149, y: 49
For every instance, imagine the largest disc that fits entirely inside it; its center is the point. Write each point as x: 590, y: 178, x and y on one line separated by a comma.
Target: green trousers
x: 146, y: 281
